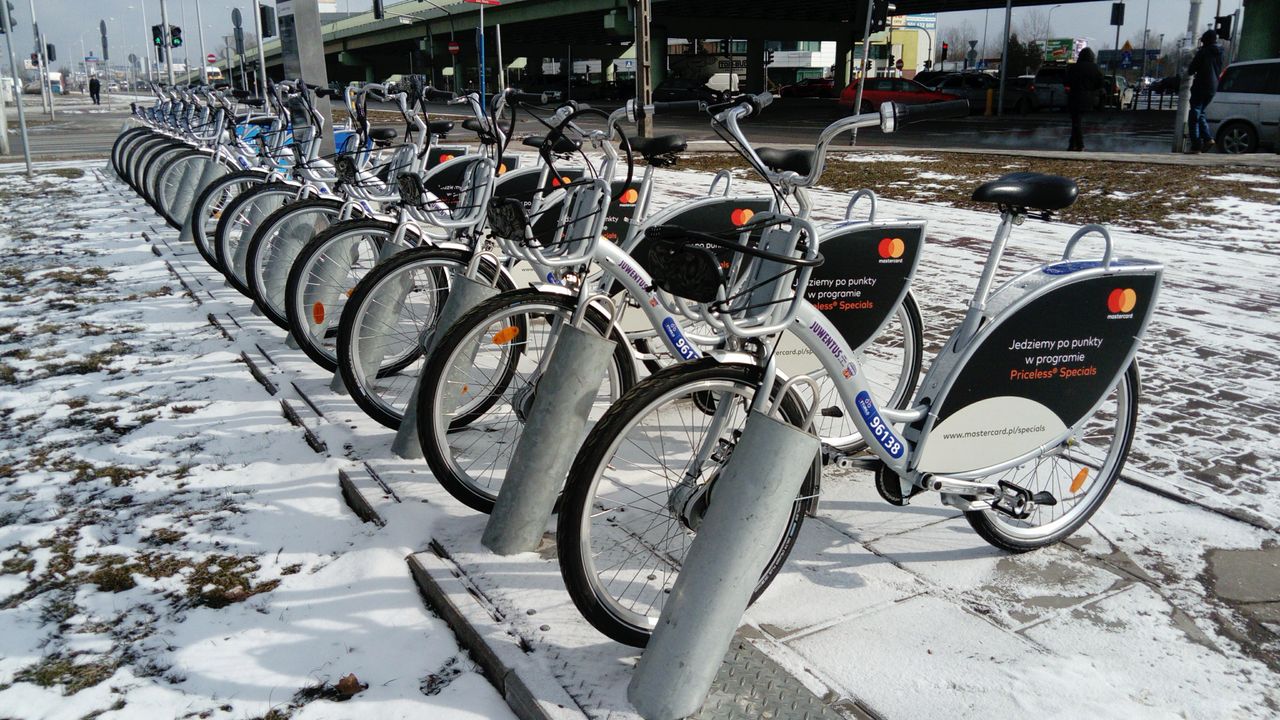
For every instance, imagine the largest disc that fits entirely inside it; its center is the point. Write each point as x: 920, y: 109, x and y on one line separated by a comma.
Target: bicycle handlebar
x: 933, y: 111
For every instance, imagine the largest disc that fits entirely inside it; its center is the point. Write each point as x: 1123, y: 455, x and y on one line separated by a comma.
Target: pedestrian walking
x: 95, y: 90
x: 1085, y: 80
x: 1206, y: 66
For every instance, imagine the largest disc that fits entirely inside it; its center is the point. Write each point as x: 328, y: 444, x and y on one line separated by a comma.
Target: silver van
x: 1245, y: 114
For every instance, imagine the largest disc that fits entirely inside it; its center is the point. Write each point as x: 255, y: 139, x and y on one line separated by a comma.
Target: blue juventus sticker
x: 879, y: 428
x: 677, y: 339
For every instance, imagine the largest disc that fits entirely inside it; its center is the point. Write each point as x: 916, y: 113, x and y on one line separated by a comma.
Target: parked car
x: 1051, y: 86
x: 811, y: 88
x: 885, y: 89
x: 1116, y: 91
x: 929, y: 77
x: 676, y: 89
x: 1245, y: 114
x: 974, y: 87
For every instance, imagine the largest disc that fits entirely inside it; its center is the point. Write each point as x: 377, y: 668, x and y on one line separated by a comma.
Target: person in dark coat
x: 95, y: 90
x: 1085, y: 80
x: 1206, y: 66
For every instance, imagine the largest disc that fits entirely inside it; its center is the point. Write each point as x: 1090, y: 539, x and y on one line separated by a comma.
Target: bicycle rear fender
x: 1054, y: 342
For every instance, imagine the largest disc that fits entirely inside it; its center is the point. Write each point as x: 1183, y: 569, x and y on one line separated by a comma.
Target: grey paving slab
x: 1246, y: 576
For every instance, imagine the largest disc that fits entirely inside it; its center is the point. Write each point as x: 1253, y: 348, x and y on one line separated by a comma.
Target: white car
x: 1245, y: 114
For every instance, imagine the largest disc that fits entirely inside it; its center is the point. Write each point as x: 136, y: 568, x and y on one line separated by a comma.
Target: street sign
x: 898, y: 65
x: 1126, y: 59
x: 454, y: 48
x: 211, y: 58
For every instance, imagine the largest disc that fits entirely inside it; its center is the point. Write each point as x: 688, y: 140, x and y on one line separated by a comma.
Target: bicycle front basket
x: 684, y: 270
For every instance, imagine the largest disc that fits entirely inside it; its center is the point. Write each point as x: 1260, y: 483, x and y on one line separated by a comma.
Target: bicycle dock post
x: 464, y: 293
x: 552, y: 435
x: 188, y: 185
x: 208, y: 175
x: 753, y: 499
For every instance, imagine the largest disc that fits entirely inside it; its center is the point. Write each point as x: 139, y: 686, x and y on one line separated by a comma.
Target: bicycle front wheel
x: 325, y: 275
x: 1079, y: 474
x: 479, y: 383
x: 636, y: 493
x: 275, y: 247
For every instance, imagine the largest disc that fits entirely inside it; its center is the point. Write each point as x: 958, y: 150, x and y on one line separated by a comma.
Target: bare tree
x: 957, y: 37
x: 1034, y: 25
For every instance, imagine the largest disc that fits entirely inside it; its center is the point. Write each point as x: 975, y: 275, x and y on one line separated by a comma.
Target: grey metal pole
x: 48, y: 74
x: 41, y: 62
x: 164, y: 33
x: 204, y: 63
x: 753, y: 499
x: 17, y: 86
x: 553, y: 432
x: 502, y: 70
x: 464, y: 294
x: 862, y: 82
x: 644, y: 65
x: 1146, y: 22
x: 262, y: 56
x: 1004, y: 55
x: 146, y: 55
x: 4, y: 114
x: 1184, y: 87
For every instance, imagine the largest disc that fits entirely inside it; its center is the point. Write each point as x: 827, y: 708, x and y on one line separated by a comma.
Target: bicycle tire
x: 677, y: 383
x: 432, y: 432
x: 265, y: 250
x: 364, y: 390
x: 1000, y: 531
x: 210, y: 204
x: 230, y: 235
x: 315, y: 331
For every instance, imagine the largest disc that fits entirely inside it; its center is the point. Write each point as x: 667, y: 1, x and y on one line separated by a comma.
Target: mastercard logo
x: 446, y: 157
x: 741, y: 216
x: 892, y: 248
x: 1122, y: 300
x: 629, y: 196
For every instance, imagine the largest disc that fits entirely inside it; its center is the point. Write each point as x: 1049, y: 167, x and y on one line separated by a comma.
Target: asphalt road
x: 81, y: 130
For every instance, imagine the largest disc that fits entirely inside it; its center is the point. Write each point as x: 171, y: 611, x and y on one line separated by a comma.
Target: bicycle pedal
x: 1044, y: 497
x: 832, y: 412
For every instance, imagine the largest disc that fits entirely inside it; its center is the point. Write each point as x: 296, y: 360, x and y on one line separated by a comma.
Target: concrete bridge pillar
x: 658, y: 55
x: 844, y: 60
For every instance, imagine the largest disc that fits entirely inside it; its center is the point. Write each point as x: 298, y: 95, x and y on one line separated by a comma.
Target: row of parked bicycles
x: 720, y: 306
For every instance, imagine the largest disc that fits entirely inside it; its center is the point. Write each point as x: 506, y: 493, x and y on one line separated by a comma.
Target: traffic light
x: 1221, y: 25
x: 880, y: 15
x: 928, y: 64
x: 945, y: 48
x: 157, y: 35
x: 50, y: 53
x: 13, y: 21
x: 268, y: 17
x: 768, y: 57
x: 175, y: 36
x: 378, y: 11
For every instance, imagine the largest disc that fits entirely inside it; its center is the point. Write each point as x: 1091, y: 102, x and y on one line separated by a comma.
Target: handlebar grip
x: 312, y: 87
x: 931, y: 111
x: 535, y: 98
x: 434, y: 94
x: 240, y: 94
x: 326, y: 92
x: 221, y: 86
x: 679, y: 105
x: 764, y: 99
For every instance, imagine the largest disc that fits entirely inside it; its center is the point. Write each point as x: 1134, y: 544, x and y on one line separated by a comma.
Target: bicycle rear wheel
x: 631, y: 508
x: 241, y: 218
x: 1079, y: 474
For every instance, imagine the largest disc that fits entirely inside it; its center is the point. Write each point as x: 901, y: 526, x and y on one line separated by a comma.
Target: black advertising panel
x: 719, y: 215
x: 864, y: 274
x: 622, y: 209
x: 1038, y: 372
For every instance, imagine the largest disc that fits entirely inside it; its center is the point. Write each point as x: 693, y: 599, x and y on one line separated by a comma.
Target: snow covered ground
x: 170, y: 546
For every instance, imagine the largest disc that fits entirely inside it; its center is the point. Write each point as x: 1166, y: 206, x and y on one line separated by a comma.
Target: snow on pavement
x: 169, y: 544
